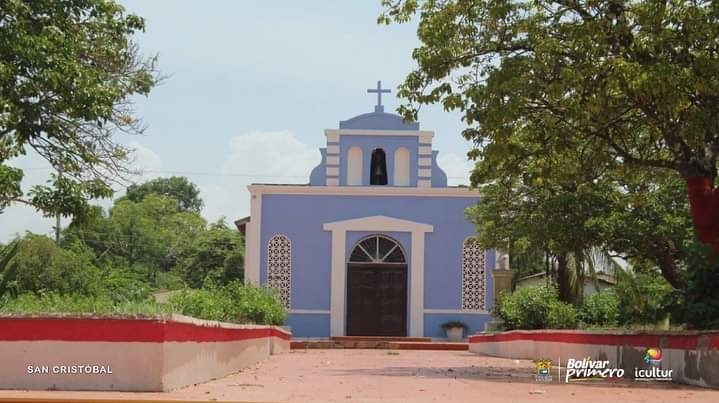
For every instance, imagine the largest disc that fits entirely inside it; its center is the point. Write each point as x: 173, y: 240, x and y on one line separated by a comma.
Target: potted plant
x: 455, y: 330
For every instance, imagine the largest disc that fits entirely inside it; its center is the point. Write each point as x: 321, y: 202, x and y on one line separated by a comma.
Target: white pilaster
x: 252, y: 241
x: 338, y: 287
x: 416, y: 291
x: 338, y: 281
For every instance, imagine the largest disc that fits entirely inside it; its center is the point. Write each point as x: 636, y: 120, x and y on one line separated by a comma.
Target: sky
x: 250, y: 87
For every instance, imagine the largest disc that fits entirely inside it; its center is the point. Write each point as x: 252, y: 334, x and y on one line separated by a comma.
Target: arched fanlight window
x: 377, y: 249
x: 401, y: 167
x: 378, y: 168
x: 279, y: 267
x: 354, y: 166
x: 473, y: 275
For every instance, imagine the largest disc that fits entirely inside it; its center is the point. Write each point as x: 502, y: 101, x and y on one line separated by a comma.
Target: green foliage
x: 42, y: 266
x: 561, y: 315
x: 643, y: 298
x: 534, y: 308
x: 233, y: 302
x: 113, y: 262
x: 215, y: 255
x: 150, y: 234
x: 68, y: 76
x: 125, y: 285
x: 606, y: 80
x: 600, y: 309
x: 8, y: 270
x: 73, y: 303
x: 702, y: 304
x: 179, y: 188
x: 561, y: 96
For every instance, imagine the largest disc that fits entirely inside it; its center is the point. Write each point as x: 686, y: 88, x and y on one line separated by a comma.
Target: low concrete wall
x: 693, y: 357
x: 127, y: 353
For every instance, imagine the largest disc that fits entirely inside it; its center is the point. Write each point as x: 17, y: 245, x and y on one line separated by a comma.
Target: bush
x: 41, y: 266
x: 69, y: 303
x: 561, y: 315
x: 234, y: 302
x: 701, y: 309
x: 534, y: 308
x: 644, y: 298
x: 600, y: 309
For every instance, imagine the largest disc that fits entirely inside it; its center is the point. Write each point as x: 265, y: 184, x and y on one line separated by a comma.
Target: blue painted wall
x: 300, y: 217
x: 378, y: 121
x: 389, y: 144
x: 319, y: 173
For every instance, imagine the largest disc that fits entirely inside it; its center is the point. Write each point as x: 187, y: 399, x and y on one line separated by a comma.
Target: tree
x: 630, y: 83
x: 150, y: 235
x: 42, y: 266
x: 68, y: 72
x: 216, y: 255
x: 649, y: 225
x: 177, y: 187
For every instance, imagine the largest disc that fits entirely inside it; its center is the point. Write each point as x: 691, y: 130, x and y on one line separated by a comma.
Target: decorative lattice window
x: 473, y: 271
x: 279, y: 267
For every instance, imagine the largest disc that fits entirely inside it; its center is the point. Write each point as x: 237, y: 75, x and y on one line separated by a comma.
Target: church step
x: 379, y: 338
x: 435, y: 345
x: 378, y: 344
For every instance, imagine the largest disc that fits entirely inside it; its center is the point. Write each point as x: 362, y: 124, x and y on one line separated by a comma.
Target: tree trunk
x: 704, y: 204
x: 665, y: 254
x: 565, y: 292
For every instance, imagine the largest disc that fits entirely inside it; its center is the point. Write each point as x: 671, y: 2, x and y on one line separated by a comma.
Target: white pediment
x: 378, y: 223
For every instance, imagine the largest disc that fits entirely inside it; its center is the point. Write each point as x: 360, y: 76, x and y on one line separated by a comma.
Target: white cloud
x: 256, y: 157
x: 457, y: 168
x: 146, y: 161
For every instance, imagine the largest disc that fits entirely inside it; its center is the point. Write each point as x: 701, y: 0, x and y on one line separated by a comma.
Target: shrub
x: 561, y: 315
x: 600, y: 309
x: 643, y: 298
x: 534, y: 308
x: 69, y: 303
x: 234, y: 302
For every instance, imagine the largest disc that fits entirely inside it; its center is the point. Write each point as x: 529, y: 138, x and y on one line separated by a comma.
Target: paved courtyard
x: 397, y: 376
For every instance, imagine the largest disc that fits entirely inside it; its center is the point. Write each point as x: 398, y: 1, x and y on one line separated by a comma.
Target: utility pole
x: 57, y: 215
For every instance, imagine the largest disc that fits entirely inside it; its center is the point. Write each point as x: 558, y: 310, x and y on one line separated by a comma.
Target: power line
x: 221, y: 174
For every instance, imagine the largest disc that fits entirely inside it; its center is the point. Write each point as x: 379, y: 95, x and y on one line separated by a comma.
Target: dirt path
x: 403, y: 376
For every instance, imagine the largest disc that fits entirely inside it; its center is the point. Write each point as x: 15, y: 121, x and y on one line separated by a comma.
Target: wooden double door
x: 376, y: 299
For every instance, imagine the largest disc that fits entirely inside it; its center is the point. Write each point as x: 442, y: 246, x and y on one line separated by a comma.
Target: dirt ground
x: 398, y: 376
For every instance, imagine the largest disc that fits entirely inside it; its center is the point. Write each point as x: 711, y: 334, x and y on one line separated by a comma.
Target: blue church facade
x: 376, y: 243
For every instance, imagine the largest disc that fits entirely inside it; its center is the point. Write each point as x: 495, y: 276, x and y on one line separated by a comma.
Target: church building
x: 376, y: 244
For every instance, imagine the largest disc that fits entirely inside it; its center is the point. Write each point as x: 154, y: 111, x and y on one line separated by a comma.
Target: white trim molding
x: 364, y: 190
x: 252, y: 240
x: 338, y: 288
x: 424, y: 162
x: 456, y: 311
x: 332, y: 135
x: 426, y: 137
